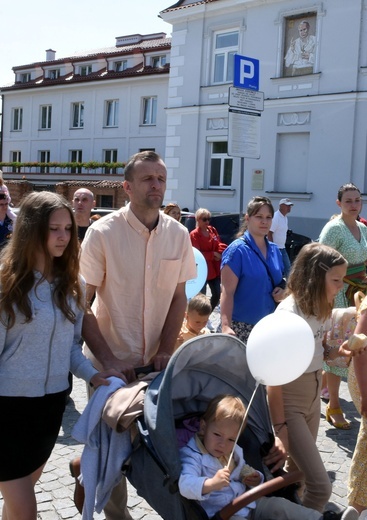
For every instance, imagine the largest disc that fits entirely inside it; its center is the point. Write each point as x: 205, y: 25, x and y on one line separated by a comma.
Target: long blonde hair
x: 307, y: 279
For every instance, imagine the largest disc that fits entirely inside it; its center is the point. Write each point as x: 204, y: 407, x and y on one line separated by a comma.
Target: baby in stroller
x: 213, y: 477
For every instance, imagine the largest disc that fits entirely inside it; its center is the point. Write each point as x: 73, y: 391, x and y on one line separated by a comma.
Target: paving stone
x: 56, y: 487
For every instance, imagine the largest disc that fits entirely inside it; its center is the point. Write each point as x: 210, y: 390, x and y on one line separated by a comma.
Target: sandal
x: 345, y: 425
x: 324, y: 394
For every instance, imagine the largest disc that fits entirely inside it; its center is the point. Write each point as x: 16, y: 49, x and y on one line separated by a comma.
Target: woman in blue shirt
x: 251, y: 272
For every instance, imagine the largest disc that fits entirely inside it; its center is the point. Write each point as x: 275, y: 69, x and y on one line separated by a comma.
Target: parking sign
x: 246, y: 72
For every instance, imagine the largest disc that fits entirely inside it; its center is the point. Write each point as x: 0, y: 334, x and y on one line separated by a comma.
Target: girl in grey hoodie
x: 41, y: 314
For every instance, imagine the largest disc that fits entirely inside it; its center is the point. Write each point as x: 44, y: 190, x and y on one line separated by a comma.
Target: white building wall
x: 328, y: 106
x: 128, y: 137
x: 324, y: 114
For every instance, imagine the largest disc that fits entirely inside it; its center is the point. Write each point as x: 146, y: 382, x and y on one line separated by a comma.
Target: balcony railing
x: 63, y: 167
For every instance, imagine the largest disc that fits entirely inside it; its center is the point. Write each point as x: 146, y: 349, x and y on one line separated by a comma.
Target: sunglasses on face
x: 205, y: 219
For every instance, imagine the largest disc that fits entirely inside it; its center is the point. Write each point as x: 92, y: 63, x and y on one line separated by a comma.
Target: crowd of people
x: 118, y: 285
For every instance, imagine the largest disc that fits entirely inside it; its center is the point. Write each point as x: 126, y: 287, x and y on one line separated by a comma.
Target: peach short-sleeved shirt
x: 136, y: 273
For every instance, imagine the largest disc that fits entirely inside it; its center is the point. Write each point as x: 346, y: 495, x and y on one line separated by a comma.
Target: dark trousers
x: 214, y: 285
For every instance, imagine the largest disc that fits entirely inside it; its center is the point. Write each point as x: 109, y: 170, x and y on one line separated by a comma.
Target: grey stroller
x: 201, y: 369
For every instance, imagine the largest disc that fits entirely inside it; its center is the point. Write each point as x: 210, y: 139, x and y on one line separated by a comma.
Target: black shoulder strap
x: 262, y: 260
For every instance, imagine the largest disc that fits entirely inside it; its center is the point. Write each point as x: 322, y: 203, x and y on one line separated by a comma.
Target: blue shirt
x: 6, y: 231
x: 252, y: 298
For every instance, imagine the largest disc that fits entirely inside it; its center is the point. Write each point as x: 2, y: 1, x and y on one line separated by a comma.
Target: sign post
x: 245, y: 104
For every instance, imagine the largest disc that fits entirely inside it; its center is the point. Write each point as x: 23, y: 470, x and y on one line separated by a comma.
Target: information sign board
x: 243, y: 133
x: 246, y: 99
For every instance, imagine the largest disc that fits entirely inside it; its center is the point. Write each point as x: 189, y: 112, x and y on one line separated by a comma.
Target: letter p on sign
x: 246, y: 72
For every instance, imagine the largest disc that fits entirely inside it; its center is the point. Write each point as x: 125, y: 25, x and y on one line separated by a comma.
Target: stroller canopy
x: 199, y: 370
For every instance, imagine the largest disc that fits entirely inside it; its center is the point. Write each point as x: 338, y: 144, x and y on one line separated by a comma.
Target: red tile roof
x: 94, y: 184
x: 143, y: 46
x: 102, y: 74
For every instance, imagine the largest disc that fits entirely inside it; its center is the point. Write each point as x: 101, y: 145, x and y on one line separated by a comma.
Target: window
x: 54, y: 73
x: 17, y: 119
x: 226, y: 46
x: 85, y: 70
x: 105, y: 201
x: 44, y: 157
x: 149, y: 111
x: 119, y: 66
x: 159, y: 61
x: 110, y: 156
x: 16, y: 156
x: 76, y: 156
x: 112, y: 108
x: 220, y: 166
x: 24, y: 78
x: 77, y: 115
x: 45, y: 117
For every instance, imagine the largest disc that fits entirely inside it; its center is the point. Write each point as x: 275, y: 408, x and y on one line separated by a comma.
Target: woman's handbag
x: 343, y: 323
x: 357, y: 281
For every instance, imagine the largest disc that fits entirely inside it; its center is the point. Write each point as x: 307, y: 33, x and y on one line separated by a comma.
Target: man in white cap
x: 278, y: 231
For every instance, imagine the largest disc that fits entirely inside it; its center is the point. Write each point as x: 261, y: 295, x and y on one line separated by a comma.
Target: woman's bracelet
x: 281, y: 425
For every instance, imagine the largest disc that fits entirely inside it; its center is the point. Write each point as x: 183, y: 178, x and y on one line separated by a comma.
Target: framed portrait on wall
x: 299, y: 44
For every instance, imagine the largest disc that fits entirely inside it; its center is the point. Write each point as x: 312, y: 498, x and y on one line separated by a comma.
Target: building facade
x: 100, y: 106
x: 313, y: 130
x: 172, y: 96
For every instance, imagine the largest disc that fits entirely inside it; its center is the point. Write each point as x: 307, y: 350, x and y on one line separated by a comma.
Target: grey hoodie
x: 36, y: 357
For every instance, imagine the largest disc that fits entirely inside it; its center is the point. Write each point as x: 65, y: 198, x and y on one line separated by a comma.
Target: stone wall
x: 18, y: 189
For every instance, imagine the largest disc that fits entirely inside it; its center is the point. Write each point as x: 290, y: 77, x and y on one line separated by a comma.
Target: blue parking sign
x: 246, y: 72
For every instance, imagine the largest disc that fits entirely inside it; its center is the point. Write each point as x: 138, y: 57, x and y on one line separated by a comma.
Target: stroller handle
x: 257, y: 492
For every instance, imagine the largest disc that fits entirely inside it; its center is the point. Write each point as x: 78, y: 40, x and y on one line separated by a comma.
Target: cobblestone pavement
x: 55, y: 489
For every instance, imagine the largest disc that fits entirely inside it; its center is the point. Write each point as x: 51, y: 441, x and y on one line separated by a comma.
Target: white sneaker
x: 210, y: 326
x: 350, y: 514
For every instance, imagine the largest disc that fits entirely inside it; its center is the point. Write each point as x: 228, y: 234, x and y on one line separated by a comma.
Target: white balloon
x: 280, y: 348
x: 194, y: 286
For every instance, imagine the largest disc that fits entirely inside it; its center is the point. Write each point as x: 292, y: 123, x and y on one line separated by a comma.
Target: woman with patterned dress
x: 348, y: 236
x: 357, y: 383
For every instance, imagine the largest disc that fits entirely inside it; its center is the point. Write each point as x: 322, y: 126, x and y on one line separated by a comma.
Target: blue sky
x: 29, y: 28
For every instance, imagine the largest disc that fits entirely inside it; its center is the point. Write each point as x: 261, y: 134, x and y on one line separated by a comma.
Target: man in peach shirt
x: 136, y: 261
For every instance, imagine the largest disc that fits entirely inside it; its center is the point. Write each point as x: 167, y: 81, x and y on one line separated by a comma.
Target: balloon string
x: 242, y: 423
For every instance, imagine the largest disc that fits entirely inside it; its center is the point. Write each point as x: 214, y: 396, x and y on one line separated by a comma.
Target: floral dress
x: 357, y: 489
x: 337, y: 235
